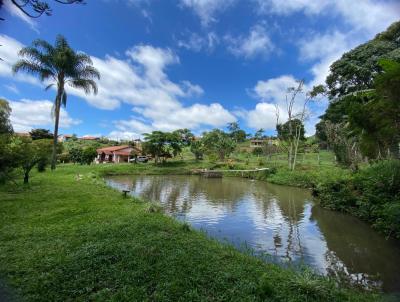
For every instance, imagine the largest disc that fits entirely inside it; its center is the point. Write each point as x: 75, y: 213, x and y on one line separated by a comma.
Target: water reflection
x: 279, y: 220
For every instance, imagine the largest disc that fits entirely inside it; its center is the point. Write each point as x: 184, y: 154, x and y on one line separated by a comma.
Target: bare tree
x: 296, y: 106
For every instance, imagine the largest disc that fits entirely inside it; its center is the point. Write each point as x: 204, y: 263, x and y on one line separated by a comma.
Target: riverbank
x: 67, y: 236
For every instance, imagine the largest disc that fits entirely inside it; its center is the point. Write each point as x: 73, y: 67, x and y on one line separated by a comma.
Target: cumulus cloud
x: 29, y: 114
x: 255, y: 43
x: 272, y: 104
x: 315, y: 50
x: 207, y: 9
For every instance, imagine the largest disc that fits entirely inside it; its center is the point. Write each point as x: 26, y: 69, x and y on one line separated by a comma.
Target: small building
x: 65, y: 137
x: 89, y: 138
x: 116, y: 154
x: 256, y: 143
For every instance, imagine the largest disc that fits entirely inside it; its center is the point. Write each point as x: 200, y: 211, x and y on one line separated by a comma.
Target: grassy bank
x: 69, y: 238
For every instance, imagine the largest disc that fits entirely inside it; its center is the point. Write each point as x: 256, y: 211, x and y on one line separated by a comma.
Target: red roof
x: 110, y: 150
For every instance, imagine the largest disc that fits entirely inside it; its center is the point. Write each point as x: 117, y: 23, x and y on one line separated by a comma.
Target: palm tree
x: 57, y: 66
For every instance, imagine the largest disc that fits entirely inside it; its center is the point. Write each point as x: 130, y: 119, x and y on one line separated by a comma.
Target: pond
x: 281, y: 221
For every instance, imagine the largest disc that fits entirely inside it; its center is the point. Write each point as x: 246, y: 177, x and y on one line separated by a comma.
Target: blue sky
x: 187, y: 63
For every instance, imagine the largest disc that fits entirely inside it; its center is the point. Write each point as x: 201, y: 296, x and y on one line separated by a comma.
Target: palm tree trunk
x: 55, y: 138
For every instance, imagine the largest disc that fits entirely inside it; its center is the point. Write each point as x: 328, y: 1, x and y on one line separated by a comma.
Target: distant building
x: 116, y: 154
x: 22, y: 134
x: 65, y: 137
x: 256, y: 143
x: 89, y: 138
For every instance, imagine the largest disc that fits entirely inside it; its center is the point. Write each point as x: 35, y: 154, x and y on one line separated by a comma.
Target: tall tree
x: 363, y: 111
x: 296, y: 110
x: 58, y: 66
x: 356, y: 69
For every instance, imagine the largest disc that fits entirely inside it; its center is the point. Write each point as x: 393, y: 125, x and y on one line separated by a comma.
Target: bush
x: 258, y: 151
x: 373, y: 194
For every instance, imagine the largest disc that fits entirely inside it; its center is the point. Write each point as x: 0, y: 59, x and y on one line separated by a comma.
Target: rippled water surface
x: 281, y: 221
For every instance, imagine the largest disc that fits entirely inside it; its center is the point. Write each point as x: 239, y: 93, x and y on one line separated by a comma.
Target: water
x: 279, y: 220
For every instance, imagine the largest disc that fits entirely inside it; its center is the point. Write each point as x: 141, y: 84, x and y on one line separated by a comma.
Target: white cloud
x: 192, y: 89
x: 262, y: 116
x: 9, y: 54
x: 141, y: 81
x: 315, y: 49
x: 192, y: 117
x: 272, y: 95
x: 14, y: 11
x: 29, y: 114
x: 207, y: 9
x: 256, y: 43
x: 274, y: 90
x: 12, y: 87
x: 368, y: 15
x: 197, y: 43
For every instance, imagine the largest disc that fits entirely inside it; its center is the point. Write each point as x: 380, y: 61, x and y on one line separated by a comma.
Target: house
x: 116, y: 154
x: 65, y: 137
x: 256, y: 143
x: 89, y: 138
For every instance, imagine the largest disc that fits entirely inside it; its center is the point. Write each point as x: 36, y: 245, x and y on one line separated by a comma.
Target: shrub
x: 258, y: 151
x: 372, y: 194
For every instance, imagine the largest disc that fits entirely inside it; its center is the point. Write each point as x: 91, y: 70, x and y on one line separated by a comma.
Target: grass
x: 65, y: 238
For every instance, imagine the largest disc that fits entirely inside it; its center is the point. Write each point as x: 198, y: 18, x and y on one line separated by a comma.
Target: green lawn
x: 64, y: 239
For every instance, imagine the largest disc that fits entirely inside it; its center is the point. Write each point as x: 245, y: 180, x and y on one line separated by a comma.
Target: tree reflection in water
x: 279, y: 220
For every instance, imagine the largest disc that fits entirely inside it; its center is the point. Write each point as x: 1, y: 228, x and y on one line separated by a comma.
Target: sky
x: 197, y: 64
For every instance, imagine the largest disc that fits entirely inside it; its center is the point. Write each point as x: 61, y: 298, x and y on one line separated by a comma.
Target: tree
x: 36, y: 8
x: 355, y: 70
x: 76, y: 154
x: 88, y: 155
x: 162, y: 144
x: 198, y: 149
x: 218, y: 142
x: 29, y: 153
x: 232, y: 127
x: 237, y: 134
x: 40, y: 134
x: 293, y: 131
x: 186, y: 136
x: 366, y: 114
x: 259, y: 133
x: 5, y: 124
x: 7, y: 162
x: 60, y: 65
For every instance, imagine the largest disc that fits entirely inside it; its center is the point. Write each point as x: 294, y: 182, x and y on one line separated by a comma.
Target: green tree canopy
x: 356, y: 69
x: 163, y: 144
x: 40, y: 134
x: 218, y: 142
x: 5, y: 124
x: 284, y: 132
